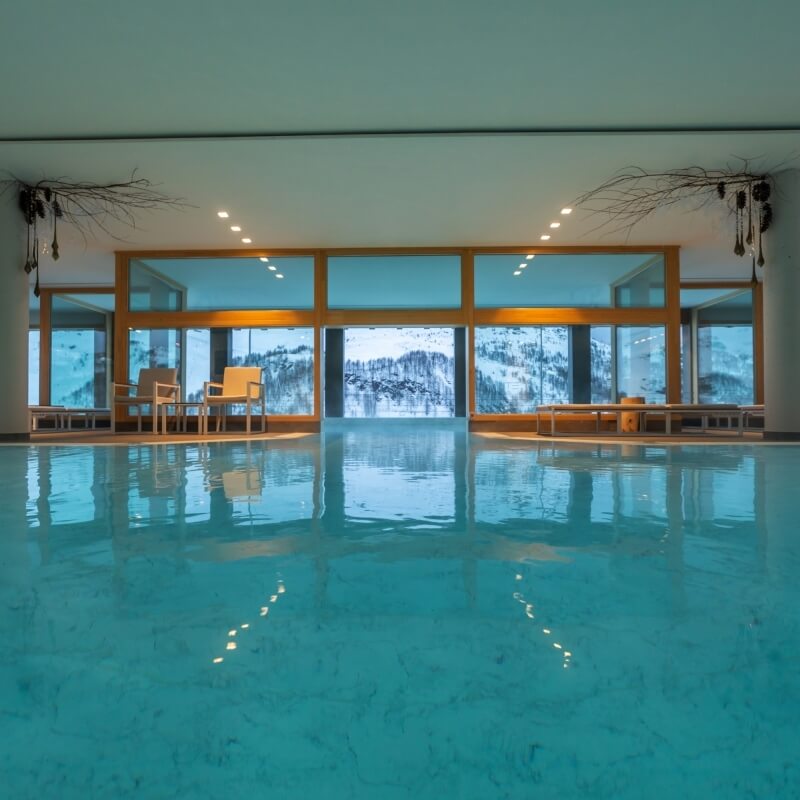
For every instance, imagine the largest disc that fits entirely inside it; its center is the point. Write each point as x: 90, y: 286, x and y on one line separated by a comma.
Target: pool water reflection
x: 399, y: 612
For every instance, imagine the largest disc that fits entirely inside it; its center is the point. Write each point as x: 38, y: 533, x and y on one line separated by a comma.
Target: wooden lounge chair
x: 156, y: 386
x: 240, y: 385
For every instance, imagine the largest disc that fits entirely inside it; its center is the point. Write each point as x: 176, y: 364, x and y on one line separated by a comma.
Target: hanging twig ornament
x: 56, y: 214
x: 634, y: 194
x: 90, y: 207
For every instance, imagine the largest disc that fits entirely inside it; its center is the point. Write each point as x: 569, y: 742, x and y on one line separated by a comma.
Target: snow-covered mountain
x: 517, y: 369
x: 399, y: 372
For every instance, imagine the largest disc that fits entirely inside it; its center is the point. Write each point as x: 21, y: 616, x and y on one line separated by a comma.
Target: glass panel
x: 213, y: 284
x: 644, y: 288
x: 33, y: 367
x: 197, y: 367
x: 80, y: 363
x: 425, y: 281
x: 150, y: 291
x: 399, y: 372
x: 287, y: 355
x: 723, y: 323
x: 641, y: 362
x: 725, y: 364
x: 601, y: 369
x: 686, y: 363
x: 518, y: 369
x: 599, y: 280
x: 159, y: 347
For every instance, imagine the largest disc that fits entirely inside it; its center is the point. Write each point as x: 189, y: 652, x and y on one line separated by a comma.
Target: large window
x: 399, y: 372
x: 555, y: 325
x: 286, y: 354
x: 80, y: 349
x: 717, y: 357
x: 519, y: 368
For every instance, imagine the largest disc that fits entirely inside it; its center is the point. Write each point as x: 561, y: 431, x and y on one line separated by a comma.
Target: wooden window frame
x: 467, y: 316
x: 758, y: 324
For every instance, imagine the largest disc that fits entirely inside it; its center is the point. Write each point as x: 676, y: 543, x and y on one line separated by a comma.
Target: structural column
x: 782, y: 313
x: 14, y: 321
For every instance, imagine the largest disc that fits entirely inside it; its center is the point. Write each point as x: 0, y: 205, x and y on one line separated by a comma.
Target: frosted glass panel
x: 399, y: 372
x: 211, y: 284
x: 599, y: 280
x: 394, y: 281
x: 149, y: 290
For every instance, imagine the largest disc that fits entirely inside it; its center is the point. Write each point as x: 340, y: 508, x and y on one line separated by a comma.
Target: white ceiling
x: 247, y: 67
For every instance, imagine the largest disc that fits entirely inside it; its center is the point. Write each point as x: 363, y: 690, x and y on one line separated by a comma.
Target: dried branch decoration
x: 89, y: 207
x: 634, y: 194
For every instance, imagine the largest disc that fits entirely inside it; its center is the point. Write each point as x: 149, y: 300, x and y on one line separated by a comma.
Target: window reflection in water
x: 537, y: 497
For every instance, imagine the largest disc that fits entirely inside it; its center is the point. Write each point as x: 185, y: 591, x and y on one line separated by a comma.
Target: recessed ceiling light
x: 246, y: 240
x: 555, y: 224
x: 272, y: 268
x: 278, y: 275
x: 544, y: 237
x: 566, y: 210
x: 518, y: 272
x: 263, y: 258
x: 223, y: 214
x: 530, y: 257
x: 236, y: 228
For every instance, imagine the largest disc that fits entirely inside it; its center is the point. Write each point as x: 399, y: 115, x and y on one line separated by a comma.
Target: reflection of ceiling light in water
x: 230, y: 646
x: 278, y: 275
x: 246, y: 240
x: 544, y: 237
x: 236, y: 228
x: 523, y: 265
x: 566, y: 211
x: 518, y: 272
x: 263, y: 258
x: 222, y: 214
x: 272, y: 268
x: 530, y: 257
x: 555, y: 224
x: 218, y: 660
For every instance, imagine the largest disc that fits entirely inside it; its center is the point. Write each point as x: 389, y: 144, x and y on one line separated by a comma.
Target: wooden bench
x: 668, y: 411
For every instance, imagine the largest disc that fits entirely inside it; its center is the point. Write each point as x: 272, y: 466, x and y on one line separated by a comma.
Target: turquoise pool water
x: 403, y: 612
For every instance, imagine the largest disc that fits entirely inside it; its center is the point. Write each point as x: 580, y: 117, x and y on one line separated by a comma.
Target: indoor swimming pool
x: 400, y: 611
